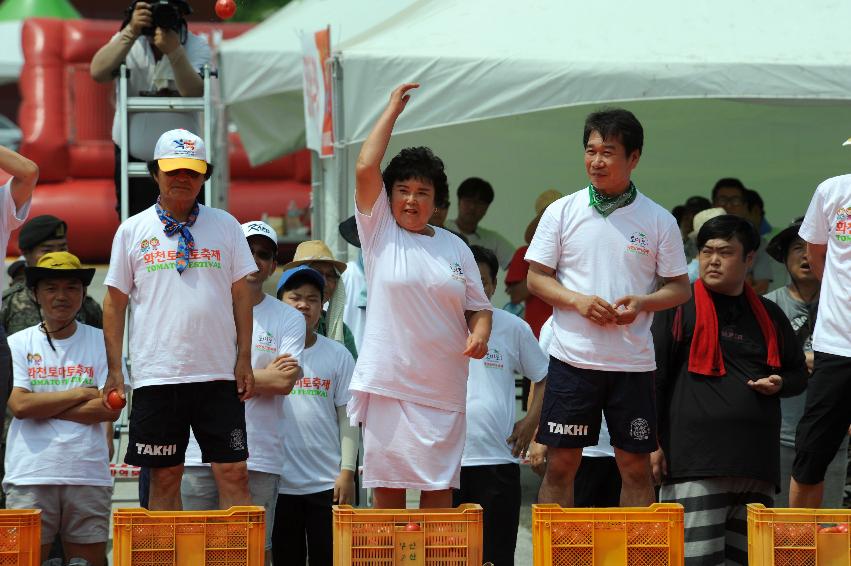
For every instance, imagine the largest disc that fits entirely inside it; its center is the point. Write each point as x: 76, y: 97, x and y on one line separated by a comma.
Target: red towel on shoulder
x: 705, y: 354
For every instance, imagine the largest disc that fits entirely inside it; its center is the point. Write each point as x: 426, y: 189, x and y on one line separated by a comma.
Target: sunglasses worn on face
x: 188, y: 172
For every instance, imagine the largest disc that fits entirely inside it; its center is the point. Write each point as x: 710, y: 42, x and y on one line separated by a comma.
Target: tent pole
x: 337, y: 200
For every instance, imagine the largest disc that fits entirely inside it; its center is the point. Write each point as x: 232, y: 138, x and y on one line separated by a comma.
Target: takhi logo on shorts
x: 638, y: 244
x: 568, y: 429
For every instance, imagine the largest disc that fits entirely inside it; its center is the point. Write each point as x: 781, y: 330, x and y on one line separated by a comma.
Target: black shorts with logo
x: 161, y: 416
x: 576, y: 398
x: 826, y: 418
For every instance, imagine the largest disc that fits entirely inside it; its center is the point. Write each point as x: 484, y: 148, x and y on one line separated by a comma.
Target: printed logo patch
x: 493, y: 359
x: 33, y: 359
x: 237, y: 439
x: 842, y: 226
x: 265, y: 342
x: 568, y: 429
x: 639, y: 429
x: 638, y: 244
x: 457, y: 272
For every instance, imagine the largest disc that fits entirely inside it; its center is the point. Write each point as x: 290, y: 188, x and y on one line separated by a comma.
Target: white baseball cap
x: 181, y: 149
x: 259, y: 228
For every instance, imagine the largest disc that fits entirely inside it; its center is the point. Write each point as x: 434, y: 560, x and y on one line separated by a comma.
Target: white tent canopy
x: 481, y: 59
x: 757, y: 89
x: 261, y: 70
x: 11, y: 54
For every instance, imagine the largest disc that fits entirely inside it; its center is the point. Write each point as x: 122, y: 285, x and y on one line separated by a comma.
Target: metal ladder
x: 214, y: 186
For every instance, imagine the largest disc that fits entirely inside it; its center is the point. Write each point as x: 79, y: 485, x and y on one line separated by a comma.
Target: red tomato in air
x: 225, y: 9
x: 412, y: 527
x: 115, y: 401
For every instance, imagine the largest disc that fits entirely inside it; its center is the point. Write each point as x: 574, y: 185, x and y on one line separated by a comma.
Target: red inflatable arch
x: 66, y: 120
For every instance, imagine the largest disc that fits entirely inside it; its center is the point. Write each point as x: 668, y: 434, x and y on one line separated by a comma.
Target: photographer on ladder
x: 163, y: 59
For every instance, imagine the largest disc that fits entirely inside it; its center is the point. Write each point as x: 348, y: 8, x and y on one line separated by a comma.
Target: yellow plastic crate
x: 413, y: 537
x: 20, y: 537
x: 798, y: 537
x: 235, y: 537
x: 610, y: 536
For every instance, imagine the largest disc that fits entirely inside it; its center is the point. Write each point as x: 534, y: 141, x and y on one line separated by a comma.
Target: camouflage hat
x: 40, y: 229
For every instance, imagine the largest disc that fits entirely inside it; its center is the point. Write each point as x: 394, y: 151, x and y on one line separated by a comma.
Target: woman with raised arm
x: 427, y: 315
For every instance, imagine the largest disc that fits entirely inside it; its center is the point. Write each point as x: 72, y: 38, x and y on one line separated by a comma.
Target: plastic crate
x: 414, y: 537
x: 235, y: 537
x: 798, y: 537
x: 20, y: 537
x: 611, y: 536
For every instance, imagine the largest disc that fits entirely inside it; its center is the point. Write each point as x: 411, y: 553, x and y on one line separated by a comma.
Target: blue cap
x: 302, y: 272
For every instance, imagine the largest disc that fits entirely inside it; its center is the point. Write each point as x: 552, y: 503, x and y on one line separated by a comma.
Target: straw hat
x: 314, y: 250
x: 701, y: 217
x: 544, y: 200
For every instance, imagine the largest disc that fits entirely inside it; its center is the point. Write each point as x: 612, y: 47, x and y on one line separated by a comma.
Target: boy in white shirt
x: 56, y: 457
x: 490, y: 464
x: 277, y: 341
x: 320, y: 446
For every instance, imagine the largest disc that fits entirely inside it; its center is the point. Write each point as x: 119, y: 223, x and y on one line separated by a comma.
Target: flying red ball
x: 115, y: 401
x: 225, y: 9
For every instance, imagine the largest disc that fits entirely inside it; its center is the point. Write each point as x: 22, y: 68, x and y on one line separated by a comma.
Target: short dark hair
x: 753, y: 200
x: 697, y: 203
x: 615, y: 124
x: 728, y: 182
x: 417, y: 163
x: 295, y: 281
x: 486, y: 256
x: 678, y: 212
x: 727, y: 227
x: 475, y: 188
x: 154, y: 168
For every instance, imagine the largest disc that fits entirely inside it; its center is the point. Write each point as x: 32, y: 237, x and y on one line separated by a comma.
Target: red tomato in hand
x: 225, y: 9
x: 115, y: 401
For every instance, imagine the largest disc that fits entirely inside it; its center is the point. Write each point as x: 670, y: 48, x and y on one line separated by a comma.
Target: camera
x: 167, y: 14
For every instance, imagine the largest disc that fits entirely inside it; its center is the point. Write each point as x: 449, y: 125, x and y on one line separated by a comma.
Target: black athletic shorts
x: 827, y: 416
x: 575, y: 399
x: 161, y: 416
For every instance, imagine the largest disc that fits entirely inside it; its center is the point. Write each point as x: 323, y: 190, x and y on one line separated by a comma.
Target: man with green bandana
x: 596, y: 257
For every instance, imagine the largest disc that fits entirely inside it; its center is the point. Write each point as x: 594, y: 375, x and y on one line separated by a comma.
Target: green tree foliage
x: 256, y: 10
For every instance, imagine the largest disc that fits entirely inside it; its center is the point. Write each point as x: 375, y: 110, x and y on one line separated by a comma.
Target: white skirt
x: 407, y: 445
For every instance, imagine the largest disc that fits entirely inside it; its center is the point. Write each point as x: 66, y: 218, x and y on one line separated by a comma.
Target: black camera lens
x: 165, y: 15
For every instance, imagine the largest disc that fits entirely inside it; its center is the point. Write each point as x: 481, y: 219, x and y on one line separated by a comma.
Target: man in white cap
x: 277, y: 341
x: 183, y: 269
x: 827, y: 230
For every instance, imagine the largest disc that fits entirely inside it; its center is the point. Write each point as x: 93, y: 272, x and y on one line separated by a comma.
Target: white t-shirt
x: 354, y: 314
x: 609, y: 257
x: 56, y: 451
x: 148, y: 74
x: 828, y: 221
x: 491, y: 406
x: 10, y: 218
x: 419, y: 288
x: 604, y: 446
x: 489, y: 239
x: 311, y: 431
x: 278, y: 329
x: 182, y: 328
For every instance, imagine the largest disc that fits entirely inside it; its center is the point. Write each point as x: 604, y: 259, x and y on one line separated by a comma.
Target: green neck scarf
x: 607, y: 205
